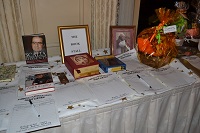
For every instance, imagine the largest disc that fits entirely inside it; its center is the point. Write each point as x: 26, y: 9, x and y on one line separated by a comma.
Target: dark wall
x: 147, y: 11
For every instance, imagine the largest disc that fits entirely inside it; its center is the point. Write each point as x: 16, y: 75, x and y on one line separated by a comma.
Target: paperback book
x: 35, y: 48
x: 81, y: 65
x: 7, y: 73
x: 37, y: 83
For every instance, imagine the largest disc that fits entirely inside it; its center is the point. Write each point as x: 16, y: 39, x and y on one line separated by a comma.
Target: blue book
x: 111, y: 64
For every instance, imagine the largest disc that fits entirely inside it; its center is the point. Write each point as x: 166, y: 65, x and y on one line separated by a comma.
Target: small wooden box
x: 81, y: 65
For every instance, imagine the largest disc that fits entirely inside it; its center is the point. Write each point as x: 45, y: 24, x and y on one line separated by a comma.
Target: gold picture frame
x: 74, y: 40
x: 122, y: 39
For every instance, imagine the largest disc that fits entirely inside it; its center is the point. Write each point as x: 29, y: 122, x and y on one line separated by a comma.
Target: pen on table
x: 144, y: 81
x: 33, y: 107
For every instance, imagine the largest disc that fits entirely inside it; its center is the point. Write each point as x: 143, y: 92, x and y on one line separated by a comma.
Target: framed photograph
x: 74, y: 40
x: 123, y: 39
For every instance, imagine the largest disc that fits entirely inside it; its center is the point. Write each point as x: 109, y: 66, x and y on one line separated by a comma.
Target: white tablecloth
x: 174, y: 111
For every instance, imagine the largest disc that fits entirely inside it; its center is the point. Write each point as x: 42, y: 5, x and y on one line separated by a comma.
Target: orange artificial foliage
x: 145, y: 45
x: 152, y: 42
x: 147, y: 42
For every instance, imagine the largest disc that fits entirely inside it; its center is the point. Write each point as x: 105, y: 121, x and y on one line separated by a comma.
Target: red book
x: 82, y: 65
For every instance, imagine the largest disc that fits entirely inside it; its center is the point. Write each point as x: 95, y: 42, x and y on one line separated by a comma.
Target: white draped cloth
x: 175, y: 111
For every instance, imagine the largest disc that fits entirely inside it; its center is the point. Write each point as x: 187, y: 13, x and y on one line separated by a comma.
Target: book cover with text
x: 39, y: 82
x: 35, y: 48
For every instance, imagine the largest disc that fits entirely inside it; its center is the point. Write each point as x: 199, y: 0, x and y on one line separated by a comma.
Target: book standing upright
x: 35, y: 48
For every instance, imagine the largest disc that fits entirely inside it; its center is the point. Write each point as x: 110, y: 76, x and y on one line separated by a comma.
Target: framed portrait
x: 74, y: 40
x: 122, y: 39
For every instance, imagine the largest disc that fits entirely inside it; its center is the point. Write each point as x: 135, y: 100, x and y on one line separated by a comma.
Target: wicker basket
x: 153, y: 61
x: 153, y: 53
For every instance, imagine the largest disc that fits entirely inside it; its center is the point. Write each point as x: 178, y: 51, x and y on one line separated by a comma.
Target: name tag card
x: 169, y: 29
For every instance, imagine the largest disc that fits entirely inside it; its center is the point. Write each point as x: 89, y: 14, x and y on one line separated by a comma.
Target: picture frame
x: 73, y: 40
x: 122, y: 39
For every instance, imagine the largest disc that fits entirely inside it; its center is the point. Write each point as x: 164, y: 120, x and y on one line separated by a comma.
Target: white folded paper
x: 24, y: 118
x: 7, y: 100
x: 142, y: 82
x: 108, y: 88
x: 172, y: 77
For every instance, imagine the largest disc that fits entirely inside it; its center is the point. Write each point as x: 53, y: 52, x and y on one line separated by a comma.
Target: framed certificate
x: 74, y: 40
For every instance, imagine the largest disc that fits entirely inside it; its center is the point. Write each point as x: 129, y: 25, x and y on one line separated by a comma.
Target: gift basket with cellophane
x: 154, y: 47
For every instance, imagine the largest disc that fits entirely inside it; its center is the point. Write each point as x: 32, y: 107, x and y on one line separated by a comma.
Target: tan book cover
x: 7, y: 73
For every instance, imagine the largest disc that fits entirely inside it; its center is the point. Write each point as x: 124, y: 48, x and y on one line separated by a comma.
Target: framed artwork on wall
x: 74, y: 40
x: 122, y: 38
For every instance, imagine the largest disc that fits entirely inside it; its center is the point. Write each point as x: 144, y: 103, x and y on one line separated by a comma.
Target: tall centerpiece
x: 155, y: 47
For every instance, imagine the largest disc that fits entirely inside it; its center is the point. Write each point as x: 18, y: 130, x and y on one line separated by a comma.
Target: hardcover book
x: 7, y: 73
x: 111, y: 64
x: 37, y: 83
x: 81, y: 65
x: 35, y: 48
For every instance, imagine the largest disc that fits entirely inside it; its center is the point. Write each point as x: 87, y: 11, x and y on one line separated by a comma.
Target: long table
x: 173, y: 111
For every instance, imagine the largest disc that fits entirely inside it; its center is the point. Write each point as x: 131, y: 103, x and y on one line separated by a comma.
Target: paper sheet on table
x: 172, y: 77
x: 193, y: 60
x: 179, y: 66
x: 71, y: 95
x: 24, y: 118
x: 7, y: 99
x: 108, y: 87
x: 131, y: 77
x: 131, y: 61
x: 129, y: 55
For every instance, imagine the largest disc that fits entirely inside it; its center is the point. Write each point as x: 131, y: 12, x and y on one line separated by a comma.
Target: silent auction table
x: 173, y: 111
